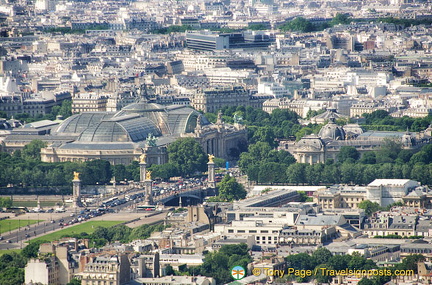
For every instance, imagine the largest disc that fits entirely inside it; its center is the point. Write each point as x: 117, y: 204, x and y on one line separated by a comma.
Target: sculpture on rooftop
x: 151, y: 140
x: 237, y: 118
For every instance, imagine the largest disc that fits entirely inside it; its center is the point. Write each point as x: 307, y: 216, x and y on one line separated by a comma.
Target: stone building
x: 122, y: 137
x: 211, y: 100
x: 106, y: 270
x: 54, y: 264
x: 332, y: 137
x: 382, y: 191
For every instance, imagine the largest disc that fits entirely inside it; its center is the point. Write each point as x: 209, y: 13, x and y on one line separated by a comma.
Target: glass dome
x: 130, y: 128
x: 76, y: 124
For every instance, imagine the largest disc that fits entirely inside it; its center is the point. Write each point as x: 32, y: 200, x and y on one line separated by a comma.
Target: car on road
x: 9, y: 241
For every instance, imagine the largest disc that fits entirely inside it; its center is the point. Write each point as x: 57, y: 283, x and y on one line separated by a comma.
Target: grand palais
x: 121, y: 137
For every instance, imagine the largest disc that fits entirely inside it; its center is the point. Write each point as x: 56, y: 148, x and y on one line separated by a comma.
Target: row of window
x: 231, y: 231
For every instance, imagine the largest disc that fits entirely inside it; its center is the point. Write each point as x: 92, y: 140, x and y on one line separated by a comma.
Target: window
x: 230, y: 231
x: 240, y: 231
x: 252, y: 231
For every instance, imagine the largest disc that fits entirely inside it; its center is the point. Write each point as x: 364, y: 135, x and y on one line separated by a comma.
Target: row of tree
x: 303, y: 25
x: 229, y: 190
x: 336, y: 173
x: 382, y: 121
x: 323, y: 258
x: 218, y: 264
x: 24, y: 168
x: 102, y: 235
x: 265, y: 165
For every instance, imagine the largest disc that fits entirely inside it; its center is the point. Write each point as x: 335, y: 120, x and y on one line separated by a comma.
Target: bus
x: 17, y: 210
x: 146, y: 207
x: 110, y: 201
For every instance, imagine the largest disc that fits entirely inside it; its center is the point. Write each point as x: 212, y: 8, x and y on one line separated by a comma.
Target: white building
x: 389, y: 191
x: 271, y: 88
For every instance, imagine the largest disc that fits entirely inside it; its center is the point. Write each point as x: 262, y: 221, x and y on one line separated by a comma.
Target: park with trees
x: 322, y: 258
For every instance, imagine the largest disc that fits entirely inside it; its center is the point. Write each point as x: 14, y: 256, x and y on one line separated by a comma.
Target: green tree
x: 339, y: 262
x: 410, y: 262
x: 12, y: 276
x: 31, y: 250
x: 55, y: 177
x: 5, y: 202
x: 348, y: 173
x: 348, y: 153
x: 96, y: 172
x: 144, y: 231
x: 369, y: 207
x: 32, y: 150
x: 321, y: 276
x: 257, y: 27
x: 164, y: 171
x: 120, y: 173
x: 299, y: 24
x: 340, y: 19
x: 376, y: 116
x: 230, y: 189
x: 272, y: 172
x: 264, y: 134
x: 169, y: 270
x: 66, y: 109
x: 134, y: 170
x: 296, y: 173
x: 321, y: 255
x: 187, y: 156
x: 389, y: 151
x: 300, y: 261
x: 218, y: 264
x: 368, y: 158
x: 220, y: 162
x: 74, y: 281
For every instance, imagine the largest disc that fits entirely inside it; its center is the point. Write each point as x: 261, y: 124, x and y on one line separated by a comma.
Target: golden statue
x: 148, y: 175
x: 211, y: 157
x: 76, y: 175
x: 143, y: 158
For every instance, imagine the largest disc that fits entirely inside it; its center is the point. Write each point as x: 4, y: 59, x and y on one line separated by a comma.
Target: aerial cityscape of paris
x: 209, y: 142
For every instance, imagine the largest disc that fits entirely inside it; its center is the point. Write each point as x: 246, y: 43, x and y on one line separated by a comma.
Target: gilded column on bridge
x: 211, y: 172
x: 143, y: 166
x: 148, y: 183
x: 76, y: 187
